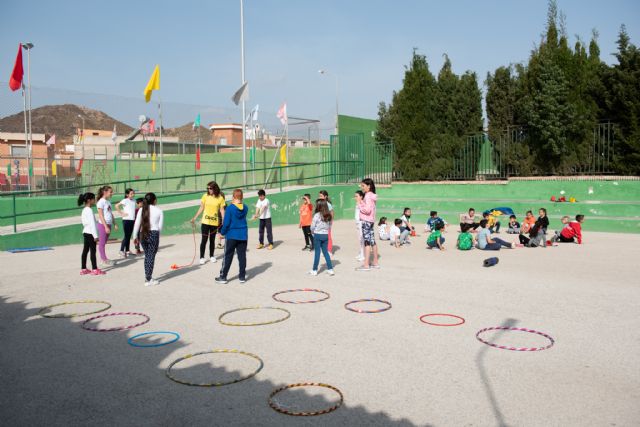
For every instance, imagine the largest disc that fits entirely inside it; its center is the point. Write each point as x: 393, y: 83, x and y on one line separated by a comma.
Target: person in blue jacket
x: 234, y: 229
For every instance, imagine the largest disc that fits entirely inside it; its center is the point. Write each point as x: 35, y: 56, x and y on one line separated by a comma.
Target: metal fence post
x: 280, y: 177
x: 15, y: 218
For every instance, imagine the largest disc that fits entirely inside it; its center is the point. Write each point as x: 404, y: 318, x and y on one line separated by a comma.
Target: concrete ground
x: 392, y: 369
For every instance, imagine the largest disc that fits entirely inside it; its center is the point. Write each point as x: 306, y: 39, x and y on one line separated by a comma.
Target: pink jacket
x: 368, y: 207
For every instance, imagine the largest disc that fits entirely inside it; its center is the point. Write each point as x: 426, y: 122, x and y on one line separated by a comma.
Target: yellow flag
x: 54, y: 168
x: 154, y: 84
x: 283, y: 155
x: 153, y: 162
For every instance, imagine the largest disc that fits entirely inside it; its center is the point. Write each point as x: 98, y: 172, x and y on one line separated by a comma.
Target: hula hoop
x: 506, y: 328
x: 218, y: 384
x: 131, y: 340
x: 288, y: 314
x: 176, y: 266
x: 282, y: 410
x: 54, y: 316
x: 119, y: 328
x: 274, y: 296
x: 442, y: 324
x: 368, y: 300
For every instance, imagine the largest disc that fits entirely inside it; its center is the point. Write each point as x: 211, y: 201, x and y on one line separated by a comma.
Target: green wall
x: 350, y: 125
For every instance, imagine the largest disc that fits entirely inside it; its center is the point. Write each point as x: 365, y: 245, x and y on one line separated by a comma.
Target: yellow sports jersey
x: 211, y: 208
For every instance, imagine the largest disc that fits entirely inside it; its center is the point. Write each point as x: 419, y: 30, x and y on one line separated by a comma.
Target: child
x: 89, y: 233
x: 514, y: 226
x: 367, y: 215
x: 149, y: 223
x: 537, y: 233
x: 435, y: 239
x: 211, y: 208
x: 406, y: 224
x: 469, y: 219
x: 397, y: 236
x: 383, y: 229
x: 359, y: 196
x: 431, y: 222
x: 320, y: 226
x: 465, y: 238
x: 306, y: 214
x: 529, y: 221
x: 234, y: 228
x: 492, y: 222
x: 263, y: 211
x: 572, y: 233
x: 105, y: 216
x: 324, y: 195
x: 139, y: 201
x: 220, y: 244
x: 127, y: 208
x: 487, y: 243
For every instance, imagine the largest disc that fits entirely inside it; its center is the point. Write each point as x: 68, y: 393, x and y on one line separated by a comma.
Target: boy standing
x: 263, y: 212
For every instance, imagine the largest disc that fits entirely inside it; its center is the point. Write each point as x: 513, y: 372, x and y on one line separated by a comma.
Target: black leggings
x: 308, y: 238
x: 127, y: 224
x: 89, y: 246
x: 208, y: 230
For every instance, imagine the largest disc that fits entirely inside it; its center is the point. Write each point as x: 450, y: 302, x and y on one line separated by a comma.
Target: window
x: 18, y: 151
x: 223, y: 141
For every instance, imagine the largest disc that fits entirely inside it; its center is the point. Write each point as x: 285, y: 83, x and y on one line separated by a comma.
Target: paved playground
x: 392, y: 369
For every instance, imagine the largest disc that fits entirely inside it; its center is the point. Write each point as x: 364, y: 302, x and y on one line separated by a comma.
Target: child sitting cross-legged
x: 571, y: 233
x: 465, y: 238
x: 398, y: 237
x: 436, y: 240
x: 514, y: 225
x: 488, y: 243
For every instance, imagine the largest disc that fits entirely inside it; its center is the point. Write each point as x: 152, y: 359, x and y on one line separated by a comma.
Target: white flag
x: 254, y: 113
x: 114, y: 135
x: 241, y: 94
x: 52, y: 140
x: 282, y: 114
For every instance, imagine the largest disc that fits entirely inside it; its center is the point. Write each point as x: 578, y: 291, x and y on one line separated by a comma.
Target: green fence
x: 353, y: 157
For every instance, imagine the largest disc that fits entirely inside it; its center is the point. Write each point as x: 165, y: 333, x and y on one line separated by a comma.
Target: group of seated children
x: 397, y: 233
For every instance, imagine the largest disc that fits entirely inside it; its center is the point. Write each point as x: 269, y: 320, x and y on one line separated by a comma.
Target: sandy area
x: 392, y: 369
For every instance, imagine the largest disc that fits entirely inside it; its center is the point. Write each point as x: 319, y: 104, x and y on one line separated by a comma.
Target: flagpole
x: 161, y: 149
x: 244, y: 130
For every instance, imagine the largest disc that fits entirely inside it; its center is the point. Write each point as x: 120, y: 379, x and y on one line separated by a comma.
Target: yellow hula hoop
x: 287, y: 315
x: 66, y: 316
x: 282, y: 410
x: 169, y: 374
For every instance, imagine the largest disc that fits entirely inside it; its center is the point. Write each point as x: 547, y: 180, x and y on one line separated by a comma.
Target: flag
x: 241, y: 94
x: 115, y: 163
x: 81, y: 135
x: 198, y: 158
x: 54, y: 168
x: 30, y: 167
x: 252, y: 156
x: 79, y: 170
x: 114, y: 135
x: 153, y: 162
x: 153, y: 84
x: 152, y: 126
x: 9, y: 169
x: 52, y: 140
x: 283, y: 155
x: 282, y: 114
x: 15, y: 82
x: 254, y: 113
x: 196, y: 122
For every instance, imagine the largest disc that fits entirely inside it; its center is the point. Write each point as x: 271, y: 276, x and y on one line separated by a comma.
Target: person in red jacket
x: 573, y: 232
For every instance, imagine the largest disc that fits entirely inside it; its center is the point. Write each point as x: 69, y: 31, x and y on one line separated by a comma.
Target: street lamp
x: 82, y: 134
x: 325, y: 72
x: 28, y: 46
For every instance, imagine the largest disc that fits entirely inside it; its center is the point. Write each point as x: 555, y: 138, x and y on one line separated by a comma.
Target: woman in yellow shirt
x: 212, y: 209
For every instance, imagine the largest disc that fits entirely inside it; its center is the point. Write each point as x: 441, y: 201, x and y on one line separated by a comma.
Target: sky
x: 111, y: 48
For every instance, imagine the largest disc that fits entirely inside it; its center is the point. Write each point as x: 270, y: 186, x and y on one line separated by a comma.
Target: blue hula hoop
x: 131, y: 343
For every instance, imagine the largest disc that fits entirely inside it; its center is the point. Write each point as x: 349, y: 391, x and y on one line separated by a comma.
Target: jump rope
x: 195, y: 248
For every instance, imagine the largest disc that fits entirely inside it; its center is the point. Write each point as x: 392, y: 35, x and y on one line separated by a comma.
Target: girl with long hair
x: 320, y: 227
x: 105, y: 217
x: 149, y: 223
x: 89, y: 233
x: 368, y: 216
x: 212, y: 209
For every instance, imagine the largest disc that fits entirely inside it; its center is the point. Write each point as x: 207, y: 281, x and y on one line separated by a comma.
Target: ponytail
x: 85, y: 197
x: 326, y: 195
x: 102, y: 190
x: 145, y: 226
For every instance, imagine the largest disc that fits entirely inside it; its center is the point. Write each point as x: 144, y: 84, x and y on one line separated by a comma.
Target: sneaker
x: 221, y: 280
x: 202, y: 261
x: 213, y: 259
x: 98, y: 272
x: 154, y: 282
x: 513, y: 245
x: 311, y: 249
x: 270, y: 246
x: 122, y: 254
x: 260, y: 246
x: 243, y: 279
x: 363, y: 268
x: 306, y: 248
x: 377, y: 266
x: 108, y: 262
x: 312, y: 272
x: 331, y: 272
x: 85, y: 271
x: 127, y: 254
x: 360, y: 259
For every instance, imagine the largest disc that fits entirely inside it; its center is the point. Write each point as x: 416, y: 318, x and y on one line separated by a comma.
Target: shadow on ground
x: 55, y: 373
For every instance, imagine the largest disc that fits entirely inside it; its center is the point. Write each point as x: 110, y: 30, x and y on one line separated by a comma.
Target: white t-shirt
x: 129, y: 209
x: 382, y: 232
x: 156, y: 218
x: 357, y: 215
x: 267, y: 208
x: 405, y: 220
x: 395, y: 231
x: 89, y: 222
x: 105, y: 205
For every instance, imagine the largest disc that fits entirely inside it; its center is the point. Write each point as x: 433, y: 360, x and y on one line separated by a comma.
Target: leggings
x: 321, y: 241
x: 127, y: 225
x: 308, y: 237
x: 150, y: 246
x: 103, y: 236
x: 208, y: 230
x: 89, y: 246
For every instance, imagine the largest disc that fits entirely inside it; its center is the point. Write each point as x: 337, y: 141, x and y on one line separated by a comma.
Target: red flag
x: 15, y: 82
x: 197, y: 159
x: 79, y: 170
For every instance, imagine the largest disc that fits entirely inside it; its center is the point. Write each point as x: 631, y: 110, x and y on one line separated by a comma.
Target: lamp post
x: 325, y: 72
x: 244, y: 124
x: 28, y: 46
x: 82, y: 134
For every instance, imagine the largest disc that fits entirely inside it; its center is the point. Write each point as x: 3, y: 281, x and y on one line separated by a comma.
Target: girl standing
x: 368, y: 215
x: 89, y: 233
x: 212, y: 209
x: 306, y: 214
x: 149, y: 224
x: 324, y: 195
x: 234, y: 228
x: 127, y: 207
x: 105, y: 217
x: 321, y: 227
x: 359, y: 196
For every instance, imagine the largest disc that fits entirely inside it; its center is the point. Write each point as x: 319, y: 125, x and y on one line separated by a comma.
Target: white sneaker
x: 213, y: 259
x: 312, y: 272
x: 331, y: 272
x: 154, y: 282
x: 202, y: 261
x: 513, y: 245
x: 148, y: 283
x: 122, y: 254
